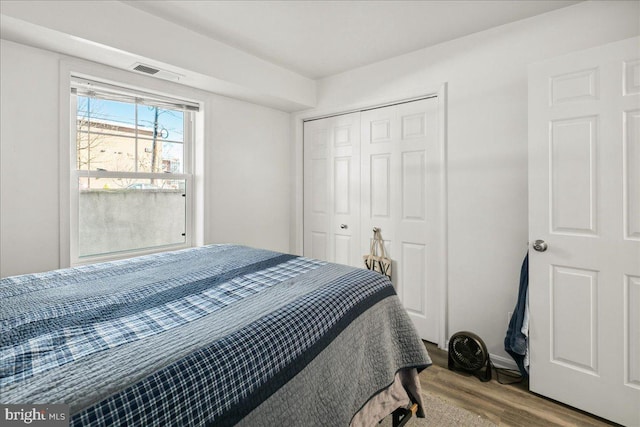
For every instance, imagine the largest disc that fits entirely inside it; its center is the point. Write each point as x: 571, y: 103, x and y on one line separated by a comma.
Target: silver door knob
x: 344, y: 226
x: 540, y: 245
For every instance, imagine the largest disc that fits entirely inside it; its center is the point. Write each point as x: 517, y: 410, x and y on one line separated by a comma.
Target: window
x: 132, y: 171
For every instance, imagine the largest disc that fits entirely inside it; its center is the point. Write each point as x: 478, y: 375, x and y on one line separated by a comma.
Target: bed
x: 216, y: 335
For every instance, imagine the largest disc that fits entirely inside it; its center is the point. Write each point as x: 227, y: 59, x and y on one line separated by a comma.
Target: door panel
x: 632, y: 338
x: 319, y: 186
x: 332, y: 189
x: 584, y: 187
x: 573, y: 175
x: 318, y: 245
x: 397, y: 142
x: 380, y: 185
x: 343, y: 249
x: 574, y: 329
x: 631, y: 155
x: 342, y: 198
x: 413, y: 185
x: 415, y: 278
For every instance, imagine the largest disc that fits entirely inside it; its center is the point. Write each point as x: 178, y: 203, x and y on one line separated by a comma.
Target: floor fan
x: 468, y: 353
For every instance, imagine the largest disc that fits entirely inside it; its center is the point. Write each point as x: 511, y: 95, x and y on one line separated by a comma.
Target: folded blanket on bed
x: 218, y: 335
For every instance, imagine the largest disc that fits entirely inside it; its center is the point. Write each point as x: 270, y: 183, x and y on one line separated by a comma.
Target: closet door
x: 401, y: 184
x: 584, y: 213
x: 332, y: 189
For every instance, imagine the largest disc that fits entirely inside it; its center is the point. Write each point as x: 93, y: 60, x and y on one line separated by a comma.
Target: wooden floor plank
x: 504, y: 405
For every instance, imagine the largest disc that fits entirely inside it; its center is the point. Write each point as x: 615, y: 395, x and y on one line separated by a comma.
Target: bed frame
x: 401, y: 416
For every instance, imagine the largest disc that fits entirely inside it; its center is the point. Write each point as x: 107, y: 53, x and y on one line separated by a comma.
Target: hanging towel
x: 515, y: 343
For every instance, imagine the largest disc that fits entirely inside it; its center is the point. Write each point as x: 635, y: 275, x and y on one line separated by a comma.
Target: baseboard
x: 498, y: 361
x: 503, y: 362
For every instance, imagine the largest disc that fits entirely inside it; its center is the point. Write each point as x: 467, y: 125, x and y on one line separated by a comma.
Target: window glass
x: 109, y: 138
x: 130, y: 171
x: 117, y: 215
x: 103, y: 115
x: 170, y: 123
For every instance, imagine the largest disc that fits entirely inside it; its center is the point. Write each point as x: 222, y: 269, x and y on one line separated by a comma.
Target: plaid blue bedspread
x: 201, y: 336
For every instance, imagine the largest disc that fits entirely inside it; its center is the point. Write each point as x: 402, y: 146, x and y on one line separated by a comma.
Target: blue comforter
x: 200, y: 336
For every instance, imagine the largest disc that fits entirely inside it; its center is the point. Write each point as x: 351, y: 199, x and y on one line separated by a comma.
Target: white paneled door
x: 332, y: 189
x: 584, y: 225
x: 381, y: 168
x: 400, y: 188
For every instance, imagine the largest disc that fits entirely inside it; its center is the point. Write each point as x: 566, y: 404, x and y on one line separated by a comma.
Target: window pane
x: 105, y: 152
x: 123, y: 215
x: 146, y: 156
x: 82, y: 113
x: 173, y: 157
x: 170, y: 123
x: 83, y: 151
x: 107, y: 116
x: 108, y: 139
x: 161, y: 156
x: 168, y: 157
x: 105, y: 135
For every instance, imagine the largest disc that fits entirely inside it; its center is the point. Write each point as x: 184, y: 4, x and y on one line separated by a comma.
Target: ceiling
x: 321, y: 38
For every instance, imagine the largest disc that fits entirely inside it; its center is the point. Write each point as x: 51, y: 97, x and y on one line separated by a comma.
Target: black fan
x: 468, y: 353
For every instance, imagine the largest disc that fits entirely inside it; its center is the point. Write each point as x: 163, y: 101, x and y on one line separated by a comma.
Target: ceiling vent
x: 149, y: 70
x: 145, y: 69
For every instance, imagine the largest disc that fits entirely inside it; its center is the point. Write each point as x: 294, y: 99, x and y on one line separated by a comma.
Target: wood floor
x: 505, y: 405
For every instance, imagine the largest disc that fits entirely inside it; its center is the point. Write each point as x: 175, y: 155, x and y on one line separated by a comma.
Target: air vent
x: 163, y: 74
x: 145, y: 69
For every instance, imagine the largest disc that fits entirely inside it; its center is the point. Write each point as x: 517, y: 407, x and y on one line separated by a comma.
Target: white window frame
x: 69, y: 175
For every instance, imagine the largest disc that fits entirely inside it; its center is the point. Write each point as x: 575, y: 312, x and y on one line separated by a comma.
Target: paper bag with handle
x: 376, y: 259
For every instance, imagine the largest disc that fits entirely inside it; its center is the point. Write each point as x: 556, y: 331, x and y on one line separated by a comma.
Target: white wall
x: 249, y: 157
x: 29, y: 221
x: 487, y: 142
x: 252, y: 200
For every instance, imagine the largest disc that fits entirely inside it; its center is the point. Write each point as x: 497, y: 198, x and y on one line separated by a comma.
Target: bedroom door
x: 400, y: 157
x: 584, y: 224
x: 332, y: 189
